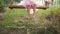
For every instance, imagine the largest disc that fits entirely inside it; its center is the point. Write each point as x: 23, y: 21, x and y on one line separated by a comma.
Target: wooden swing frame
x: 11, y: 6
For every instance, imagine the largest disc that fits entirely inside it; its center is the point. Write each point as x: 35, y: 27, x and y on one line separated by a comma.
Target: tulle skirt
x: 27, y: 2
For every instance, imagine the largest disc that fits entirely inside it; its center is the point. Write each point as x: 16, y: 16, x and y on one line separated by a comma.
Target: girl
x: 31, y: 4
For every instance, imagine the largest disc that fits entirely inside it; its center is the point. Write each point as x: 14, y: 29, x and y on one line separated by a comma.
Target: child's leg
x: 34, y: 14
x: 28, y: 10
x: 34, y: 10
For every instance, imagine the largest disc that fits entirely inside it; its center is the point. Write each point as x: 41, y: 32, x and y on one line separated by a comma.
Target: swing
x: 11, y: 6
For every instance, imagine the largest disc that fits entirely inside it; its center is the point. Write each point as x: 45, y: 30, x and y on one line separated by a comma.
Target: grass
x: 16, y: 18
x: 10, y: 15
x: 15, y: 14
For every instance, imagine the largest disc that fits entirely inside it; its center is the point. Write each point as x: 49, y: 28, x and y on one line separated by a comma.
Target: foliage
x: 56, y: 2
x: 8, y: 1
x: 1, y: 3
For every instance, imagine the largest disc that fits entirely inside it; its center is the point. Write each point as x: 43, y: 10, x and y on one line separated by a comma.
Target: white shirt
x: 46, y: 0
x: 31, y: 0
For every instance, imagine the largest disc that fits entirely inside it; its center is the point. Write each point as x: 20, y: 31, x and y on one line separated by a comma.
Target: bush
x: 1, y: 3
x: 54, y: 18
x: 2, y: 10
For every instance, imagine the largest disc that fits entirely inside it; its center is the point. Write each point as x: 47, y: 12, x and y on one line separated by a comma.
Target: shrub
x: 1, y: 3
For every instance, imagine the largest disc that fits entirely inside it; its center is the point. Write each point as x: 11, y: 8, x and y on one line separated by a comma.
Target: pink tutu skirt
x: 30, y: 2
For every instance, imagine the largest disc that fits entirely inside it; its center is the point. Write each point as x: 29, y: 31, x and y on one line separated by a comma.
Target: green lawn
x: 17, y: 18
x: 13, y: 17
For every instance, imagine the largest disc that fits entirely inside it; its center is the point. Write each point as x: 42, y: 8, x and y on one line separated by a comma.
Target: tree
x: 1, y: 9
x: 1, y: 3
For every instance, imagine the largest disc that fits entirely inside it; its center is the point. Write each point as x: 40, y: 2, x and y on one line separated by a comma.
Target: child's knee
x: 33, y: 6
x: 27, y: 5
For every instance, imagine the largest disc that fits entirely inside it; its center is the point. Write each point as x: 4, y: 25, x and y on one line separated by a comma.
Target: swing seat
x: 22, y: 7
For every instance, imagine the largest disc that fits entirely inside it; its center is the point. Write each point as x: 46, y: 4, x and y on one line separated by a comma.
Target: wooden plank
x: 22, y: 7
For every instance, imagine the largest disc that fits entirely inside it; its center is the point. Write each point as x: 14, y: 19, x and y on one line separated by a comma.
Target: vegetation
x: 16, y: 19
x: 2, y: 10
x: 1, y: 3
